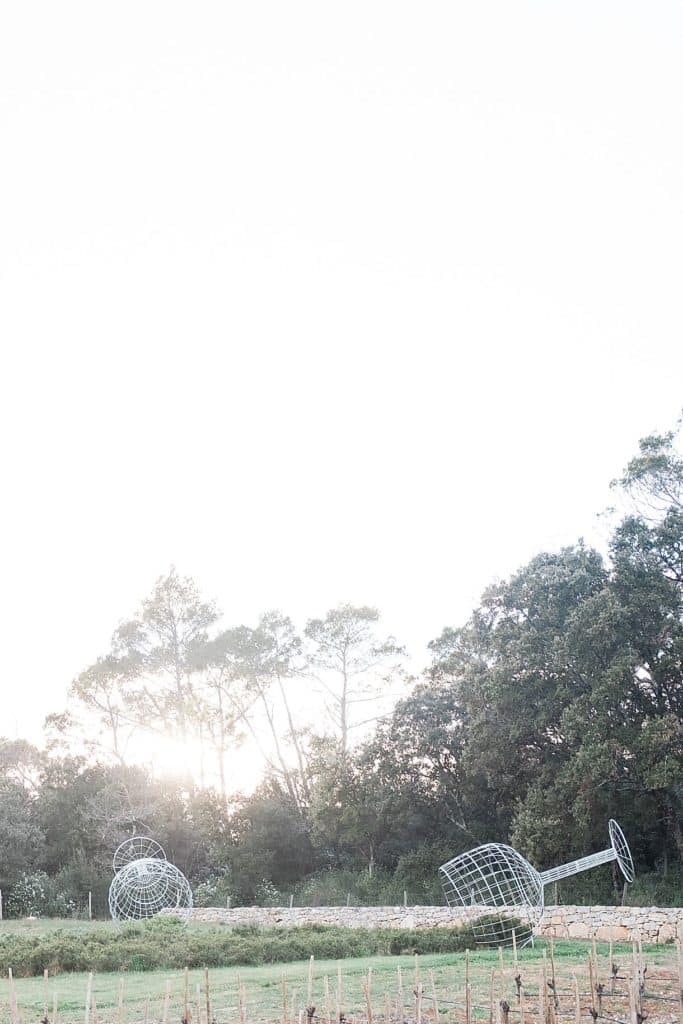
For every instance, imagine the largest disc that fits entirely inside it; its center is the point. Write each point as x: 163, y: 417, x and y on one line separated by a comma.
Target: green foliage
x: 21, y: 839
x: 167, y: 943
x: 556, y: 705
x: 38, y: 895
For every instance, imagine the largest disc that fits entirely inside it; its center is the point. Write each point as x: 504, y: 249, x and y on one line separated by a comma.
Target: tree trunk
x: 295, y: 741
x: 343, y: 710
x: 278, y: 750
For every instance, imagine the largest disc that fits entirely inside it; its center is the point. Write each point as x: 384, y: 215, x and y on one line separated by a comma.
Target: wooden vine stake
x: 418, y: 1002
x: 553, y: 984
x: 45, y: 1018
x: 591, y: 977
x: 328, y: 1005
x: 501, y: 969
x: 186, y: 997
x: 632, y: 1003
x: 339, y: 994
x: 541, y: 997
x: 577, y: 1002
x: 119, y: 1005
x: 167, y: 1000
x: 468, y: 990
x: 243, y: 1003
x: 400, y: 1004
x: 435, y: 1001
x: 12, y: 998
x: 309, y: 989
x: 242, y: 997
x: 55, y: 1007
x: 207, y: 995
x: 418, y: 992
x: 367, y: 992
x: 520, y: 996
x: 613, y: 968
x: 492, y: 988
x: 680, y: 981
x: 284, y: 998
x: 88, y: 999
x: 198, y: 1004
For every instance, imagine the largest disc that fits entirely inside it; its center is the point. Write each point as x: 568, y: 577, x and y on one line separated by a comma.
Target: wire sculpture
x: 147, y: 886
x: 136, y: 848
x: 508, y: 890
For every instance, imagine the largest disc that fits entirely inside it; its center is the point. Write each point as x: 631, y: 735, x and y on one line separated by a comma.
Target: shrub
x: 168, y: 943
x: 38, y: 895
x: 214, y: 891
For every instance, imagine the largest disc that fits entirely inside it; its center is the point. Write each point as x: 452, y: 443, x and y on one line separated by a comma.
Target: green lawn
x: 263, y: 985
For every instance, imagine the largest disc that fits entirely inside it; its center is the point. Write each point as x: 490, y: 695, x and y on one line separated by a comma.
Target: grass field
x: 143, y: 994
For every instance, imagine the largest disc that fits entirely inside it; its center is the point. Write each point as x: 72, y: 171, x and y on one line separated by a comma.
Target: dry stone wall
x: 653, y: 924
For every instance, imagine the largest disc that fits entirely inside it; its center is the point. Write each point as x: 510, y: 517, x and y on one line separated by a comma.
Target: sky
x: 322, y: 302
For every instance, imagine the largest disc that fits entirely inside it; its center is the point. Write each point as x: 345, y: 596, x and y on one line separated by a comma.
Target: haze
x: 361, y: 302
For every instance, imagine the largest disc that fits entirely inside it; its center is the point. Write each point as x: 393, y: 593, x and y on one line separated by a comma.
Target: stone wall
x: 653, y: 924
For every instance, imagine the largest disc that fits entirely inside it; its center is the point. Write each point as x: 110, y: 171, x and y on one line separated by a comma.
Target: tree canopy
x: 557, y: 704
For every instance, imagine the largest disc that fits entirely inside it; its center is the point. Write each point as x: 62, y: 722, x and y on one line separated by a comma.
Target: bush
x: 168, y: 943
x: 214, y: 891
x: 38, y: 895
x: 334, y: 886
x: 596, y: 888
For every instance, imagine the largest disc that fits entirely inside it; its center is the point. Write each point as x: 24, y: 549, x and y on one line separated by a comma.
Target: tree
x: 144, y: 681
x: 105, y: 688
x: 514, y: 673
x: 270, y: 840
x: 20, y: 762
x: 352, y: 665
x: 654, y: 477
x: 247, y: 672
x: 157, y: 649
x: 21, y: 839
x: 569, y: 678
x: 219, y: 700
x: 371, y: 807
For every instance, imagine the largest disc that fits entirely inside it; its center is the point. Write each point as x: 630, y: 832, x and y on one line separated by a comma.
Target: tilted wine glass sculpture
x: 145, y: 887
x: 509, y: 890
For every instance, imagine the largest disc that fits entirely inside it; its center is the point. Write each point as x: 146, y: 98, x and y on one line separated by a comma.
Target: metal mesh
x: 575, y: 867
x: 505, y: 889
x: 508, y: 892
x: 147, y: 886
x: 137, y: 848
x: 621, y: 851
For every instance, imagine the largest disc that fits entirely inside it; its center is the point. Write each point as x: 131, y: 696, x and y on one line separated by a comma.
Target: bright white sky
x: 322, y: 302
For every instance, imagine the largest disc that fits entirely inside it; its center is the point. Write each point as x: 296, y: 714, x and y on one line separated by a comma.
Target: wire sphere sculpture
x: 147, y: 886
x: 136, y: 848
x: 508, y: 891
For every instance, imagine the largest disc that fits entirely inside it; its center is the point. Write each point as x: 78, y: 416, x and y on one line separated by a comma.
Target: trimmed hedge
x: 168, y: 943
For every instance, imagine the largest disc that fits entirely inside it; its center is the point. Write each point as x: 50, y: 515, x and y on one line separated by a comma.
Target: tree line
x: 558, y: 704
